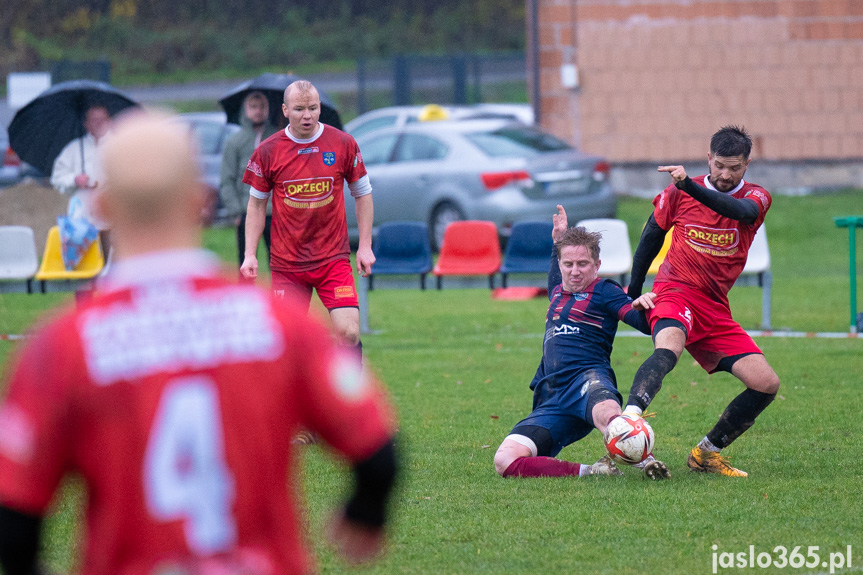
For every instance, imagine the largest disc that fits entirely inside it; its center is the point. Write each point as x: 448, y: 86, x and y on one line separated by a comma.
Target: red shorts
x: 711, y: 333
x: 334, y: 282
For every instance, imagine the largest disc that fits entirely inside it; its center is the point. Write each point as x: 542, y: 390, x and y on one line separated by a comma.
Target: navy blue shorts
x: 563, y: 416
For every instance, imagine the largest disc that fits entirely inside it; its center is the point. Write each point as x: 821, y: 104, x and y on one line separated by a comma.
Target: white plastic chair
x: 758, y: 259
x: 758, y: 267
x: 18, y: 258
x: 615, y: 250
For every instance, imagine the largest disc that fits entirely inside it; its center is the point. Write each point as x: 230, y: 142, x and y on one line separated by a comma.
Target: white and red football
x: 628, y: 439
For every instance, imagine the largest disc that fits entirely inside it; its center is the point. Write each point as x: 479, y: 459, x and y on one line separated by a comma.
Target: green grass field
x: 458, y: 363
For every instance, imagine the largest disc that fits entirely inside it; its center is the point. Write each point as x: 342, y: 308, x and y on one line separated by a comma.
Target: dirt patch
x: 32, y: 204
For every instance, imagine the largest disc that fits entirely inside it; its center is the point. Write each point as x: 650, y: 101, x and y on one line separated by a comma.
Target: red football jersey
x: 307, y: 179
x: 175, y: 398
x: 708, y: 251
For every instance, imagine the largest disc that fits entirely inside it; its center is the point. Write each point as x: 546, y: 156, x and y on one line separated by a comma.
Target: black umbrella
x: 273, y: 87
x: 41, y: 129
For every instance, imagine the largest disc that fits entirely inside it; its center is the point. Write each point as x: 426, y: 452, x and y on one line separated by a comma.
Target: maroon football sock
x: 542, y: 467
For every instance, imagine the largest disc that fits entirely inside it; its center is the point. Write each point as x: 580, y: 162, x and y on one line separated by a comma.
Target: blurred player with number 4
x: 173, y: 393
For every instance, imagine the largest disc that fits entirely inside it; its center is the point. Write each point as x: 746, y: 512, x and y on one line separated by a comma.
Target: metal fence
x: 63, y: 70
x: 448, y: 79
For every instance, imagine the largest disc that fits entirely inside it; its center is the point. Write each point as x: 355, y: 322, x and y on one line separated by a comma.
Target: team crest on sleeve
x: 255, y: 169
x: 329, y: 158
x: 760, y: 195
x: 358, y: 159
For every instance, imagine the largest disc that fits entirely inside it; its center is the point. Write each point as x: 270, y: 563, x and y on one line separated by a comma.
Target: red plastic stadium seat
x: 470, y: 248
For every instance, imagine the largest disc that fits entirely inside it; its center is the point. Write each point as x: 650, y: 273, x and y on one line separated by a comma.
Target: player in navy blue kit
x: 574, y: 389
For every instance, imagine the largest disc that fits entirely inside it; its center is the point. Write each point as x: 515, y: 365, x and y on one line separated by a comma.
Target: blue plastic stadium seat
x: 528, y: 249
x: 402, y: 248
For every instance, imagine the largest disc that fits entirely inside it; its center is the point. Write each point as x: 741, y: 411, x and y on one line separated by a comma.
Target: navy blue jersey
x: 580, y: 329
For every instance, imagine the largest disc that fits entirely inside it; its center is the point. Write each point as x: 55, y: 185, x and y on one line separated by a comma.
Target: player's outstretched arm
x: 554, y: 277
x: 652, y: 238
x: 355, y: 543
x: 358, y: 533
x: 637, y: 316
x: 559, y: 226
x: 19, y: 541
x: 644, y: 301
x: 726, y: 205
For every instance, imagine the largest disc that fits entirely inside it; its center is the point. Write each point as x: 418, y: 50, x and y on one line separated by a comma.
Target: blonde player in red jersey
x: 173, y: 393
x: 304, y: 168
x: 715, y: 218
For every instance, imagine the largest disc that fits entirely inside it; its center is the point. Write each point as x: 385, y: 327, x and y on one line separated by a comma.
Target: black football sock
x: 739, y: 416
x: 648, y: 378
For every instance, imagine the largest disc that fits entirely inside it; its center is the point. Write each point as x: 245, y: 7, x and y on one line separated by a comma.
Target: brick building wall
x: 658, y: 77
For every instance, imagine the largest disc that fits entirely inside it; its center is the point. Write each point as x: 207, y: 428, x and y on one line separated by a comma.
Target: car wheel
x: 442, y: 216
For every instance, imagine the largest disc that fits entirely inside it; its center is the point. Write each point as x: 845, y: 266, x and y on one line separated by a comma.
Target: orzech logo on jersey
x: 713, y: 241
x: 308, y: 193
x: 329, y: 158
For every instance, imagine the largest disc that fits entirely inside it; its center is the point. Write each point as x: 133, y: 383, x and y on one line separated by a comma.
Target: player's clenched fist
x: 249, y: 269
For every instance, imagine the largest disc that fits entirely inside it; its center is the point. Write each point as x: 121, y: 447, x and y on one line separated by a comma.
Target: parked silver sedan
x: 494, y: 170
x: 399, y: 116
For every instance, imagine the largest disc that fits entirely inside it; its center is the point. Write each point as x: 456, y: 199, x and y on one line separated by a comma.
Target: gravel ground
x: 32, y: 204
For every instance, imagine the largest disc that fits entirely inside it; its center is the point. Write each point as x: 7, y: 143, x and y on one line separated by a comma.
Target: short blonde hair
x: 580, y: 236
x: 301, y: 86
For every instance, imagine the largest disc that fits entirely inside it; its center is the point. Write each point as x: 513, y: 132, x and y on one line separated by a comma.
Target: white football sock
x: 646, y: 460
x: 707, y: 446
x: 633, y: 409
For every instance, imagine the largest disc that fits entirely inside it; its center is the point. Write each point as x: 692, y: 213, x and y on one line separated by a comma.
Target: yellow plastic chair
x: 52, y: 268
x: 660, y: 257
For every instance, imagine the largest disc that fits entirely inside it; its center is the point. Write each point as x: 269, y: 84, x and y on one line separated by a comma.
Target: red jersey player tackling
x: 715, y: 218
x: 174, y: 393
x: 305, y: 167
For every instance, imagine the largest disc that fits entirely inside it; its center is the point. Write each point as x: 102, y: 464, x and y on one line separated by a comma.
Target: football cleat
x: 605, y: 466
x: 654, y: 469
x: 704, y: 461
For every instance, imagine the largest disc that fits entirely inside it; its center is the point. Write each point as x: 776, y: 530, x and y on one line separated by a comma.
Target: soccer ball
x: 628, y: 439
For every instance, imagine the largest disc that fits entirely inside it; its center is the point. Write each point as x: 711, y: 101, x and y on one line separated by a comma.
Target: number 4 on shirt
x: 185, y: 474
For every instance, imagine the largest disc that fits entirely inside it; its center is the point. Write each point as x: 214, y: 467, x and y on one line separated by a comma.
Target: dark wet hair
x: 731, y: 141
